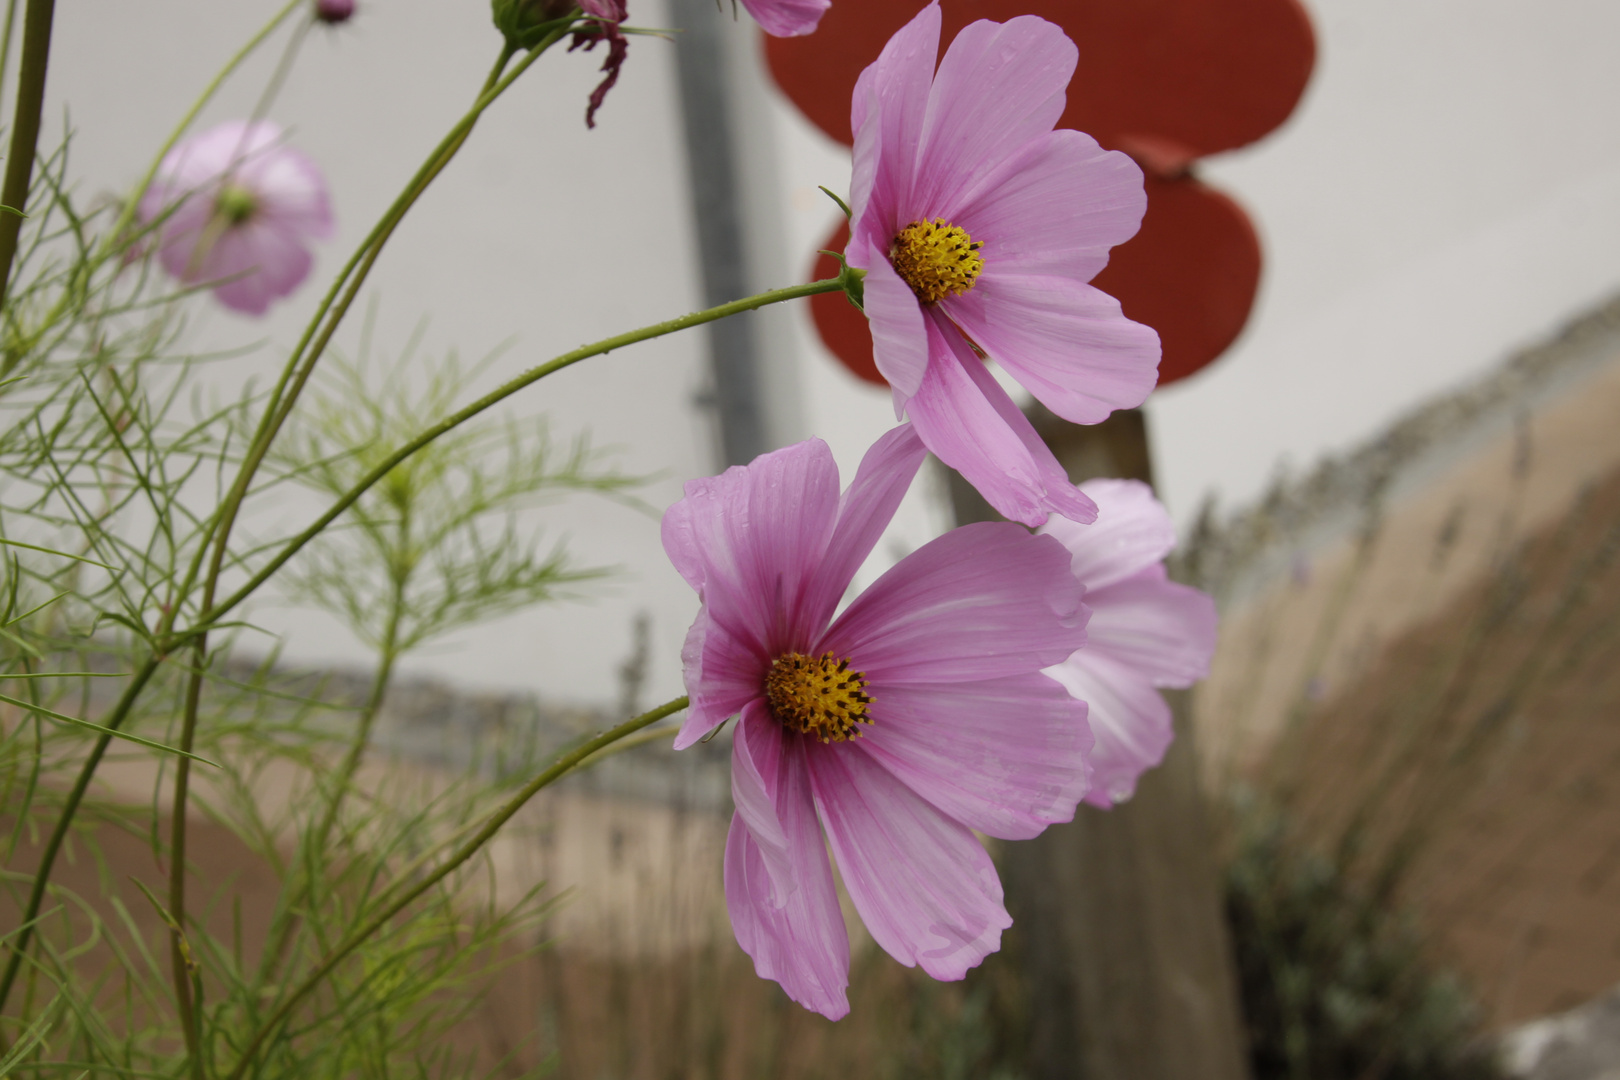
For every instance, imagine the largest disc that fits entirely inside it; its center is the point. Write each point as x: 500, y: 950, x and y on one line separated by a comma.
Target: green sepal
x: 852, y: 278
x: 526, y: 23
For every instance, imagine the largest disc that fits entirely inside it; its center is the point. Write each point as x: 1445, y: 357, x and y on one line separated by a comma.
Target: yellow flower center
x: 818, y: 696
x: 936, y: 259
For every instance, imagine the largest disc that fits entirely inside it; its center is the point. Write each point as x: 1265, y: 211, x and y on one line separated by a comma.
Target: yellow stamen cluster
x: 936, y: 259
x: 818, y: 696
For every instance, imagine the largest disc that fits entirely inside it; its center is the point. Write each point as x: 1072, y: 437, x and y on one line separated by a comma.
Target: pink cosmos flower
x: 1145, y: 632
x: 975, y: 220
x: 787, y: 18
x: 888, y: 733
x: 245, y: 207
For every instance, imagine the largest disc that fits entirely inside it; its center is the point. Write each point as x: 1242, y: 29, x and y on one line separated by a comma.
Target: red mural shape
x: 1166, y: 81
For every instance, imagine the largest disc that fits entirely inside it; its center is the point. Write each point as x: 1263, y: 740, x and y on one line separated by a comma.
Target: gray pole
x: 717, y: 214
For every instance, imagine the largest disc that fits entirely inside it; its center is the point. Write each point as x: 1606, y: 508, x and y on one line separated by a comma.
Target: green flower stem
x: 494, y: 397
x: 561, y: 766
x: 36, y: 57
x: 53, y: 846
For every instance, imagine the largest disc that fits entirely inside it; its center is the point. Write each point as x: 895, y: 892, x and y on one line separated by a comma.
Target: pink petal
x: 293, y: 195
x: 1067, y: 343
x: 923, y: 885
x: 899, y: 339
x: 758, y: 764
x: 1132, y: 531
x: 802, y: 943
x: 1129, y: 719
x: 229, y: 147
x: 787, y: 18
x: 264, y: 263
x: 722, y: 675
x: 1055, y: 207
x: 1163, y: 629
x: 999, y: 85
x: 750, y: 538
x: 894, y: 98
x: 968, y: 421
x: 1005, y: 756
x: 864, y: 512
x: 981, y: 602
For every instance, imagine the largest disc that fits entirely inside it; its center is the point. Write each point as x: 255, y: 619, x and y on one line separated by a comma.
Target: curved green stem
x: 489, y: 400
x: 53, y: 846
x: 467, y: 850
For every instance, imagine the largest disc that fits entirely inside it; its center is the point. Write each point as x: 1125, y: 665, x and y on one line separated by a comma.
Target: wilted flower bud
x: 334, y: 11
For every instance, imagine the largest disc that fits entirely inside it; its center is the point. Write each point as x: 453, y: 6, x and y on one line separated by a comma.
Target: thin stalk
x: 36, y: 58
x: 42, y: 875
x: 562, y: 765
x: 489, y: 400
x: 180, y: 963
x: 388, y: 655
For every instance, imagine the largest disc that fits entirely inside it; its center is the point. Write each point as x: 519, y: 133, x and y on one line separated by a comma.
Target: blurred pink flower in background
x: 244, y: 208
x: 979, y: 227
x: 787, y: 18
x: 1145, y: 632
x: 916, y: 716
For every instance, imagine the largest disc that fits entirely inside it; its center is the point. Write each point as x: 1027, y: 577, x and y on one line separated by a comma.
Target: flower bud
x: 334, y: 11
x: 518, y: 20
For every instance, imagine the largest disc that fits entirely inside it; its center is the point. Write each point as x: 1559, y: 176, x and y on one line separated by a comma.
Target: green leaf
x: 100, y: 730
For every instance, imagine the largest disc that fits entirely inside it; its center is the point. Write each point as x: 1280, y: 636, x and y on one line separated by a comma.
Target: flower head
x: 787, y: 18
x: 1145, y: 632
x: 979, y: 227
x: 334, y: 11
x: 242, y: 207
x: 895, y: 729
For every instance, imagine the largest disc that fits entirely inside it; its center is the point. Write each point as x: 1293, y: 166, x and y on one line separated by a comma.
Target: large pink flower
x: 916, y: 716
x: 972, y: 217
x: 1145, y: 632
x: 787, y: 18
x: 248, y: 205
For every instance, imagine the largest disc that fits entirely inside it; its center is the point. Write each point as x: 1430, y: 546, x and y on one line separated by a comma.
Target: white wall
x: 1447, y: 191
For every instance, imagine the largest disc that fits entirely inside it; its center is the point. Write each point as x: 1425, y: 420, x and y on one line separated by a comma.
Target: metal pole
x: 717, y: 213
